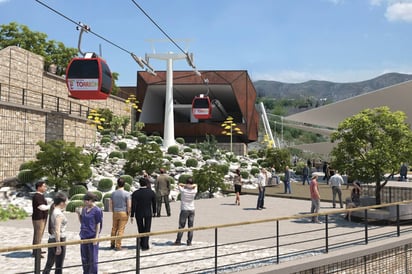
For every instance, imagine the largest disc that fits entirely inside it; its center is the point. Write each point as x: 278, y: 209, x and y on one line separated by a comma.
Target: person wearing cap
x: 143, y: 208
x: 162, y: 186
x: 39, y: 216
x: 120, y: 205
x: 187, y: 209
x: 91, y: 220
x: 315, y: 198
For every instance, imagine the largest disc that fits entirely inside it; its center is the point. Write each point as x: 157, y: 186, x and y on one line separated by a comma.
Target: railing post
x: 366, y: 226
x: 137, y: 255
x: 326, y: 234
x: 37, y: 264
x: 215, y: 249
x: 277, y: 241
x: 23, y: 96
x: 398, y: 227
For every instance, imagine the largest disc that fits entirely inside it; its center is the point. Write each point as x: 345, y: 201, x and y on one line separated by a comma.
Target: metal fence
x: 219, y: 256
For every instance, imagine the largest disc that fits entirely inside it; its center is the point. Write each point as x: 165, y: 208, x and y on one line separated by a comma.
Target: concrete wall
x: 34, y: 106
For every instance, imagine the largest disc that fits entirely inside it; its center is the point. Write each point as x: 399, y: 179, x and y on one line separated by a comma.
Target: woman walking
x: 237, y: 182
x: 57, y: 228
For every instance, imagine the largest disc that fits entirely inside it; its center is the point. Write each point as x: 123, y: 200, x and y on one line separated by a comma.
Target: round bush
x: 177, y: 163
x: 127, y: 178
x: 206, y: 157
x: 106, y: 132
x: 142, y: 139
x: 105, y: 139
x: 183, y: 178
x: 119, y: 131
x: 127, y: 187
x: 255, y: 164
x: 243, y: 164
x: 244, y: 174
x: 26, y: 165
x: 180, y: 140
x: 107, y: 195
x: 71, y: 205
x: 98, y: 194
x: 25, y: 176
x: 77, y: 189
x: 191, y: 162
x: 122, y: 145
x: 105, y: 185
x: 167, y: 157
x: 158, y: 139
x: 254, y: 171
x: 116, y: 154
x: 100, y: 204
x: 193, y: 146
x: 79, y: 196
x: 187, y: 149
x: 174, y: 150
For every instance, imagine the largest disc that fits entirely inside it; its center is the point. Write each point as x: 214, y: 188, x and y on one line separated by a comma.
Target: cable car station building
x: 231, y: 93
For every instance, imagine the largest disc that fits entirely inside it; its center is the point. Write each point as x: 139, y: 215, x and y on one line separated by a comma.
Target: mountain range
x: 330, y: 91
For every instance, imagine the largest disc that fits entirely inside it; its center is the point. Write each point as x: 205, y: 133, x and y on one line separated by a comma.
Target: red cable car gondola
x: 201, y: 107
x: 89, y: 78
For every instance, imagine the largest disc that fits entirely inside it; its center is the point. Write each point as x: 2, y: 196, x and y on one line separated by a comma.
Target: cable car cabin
x: 89, y: 78
x: 201, y: 107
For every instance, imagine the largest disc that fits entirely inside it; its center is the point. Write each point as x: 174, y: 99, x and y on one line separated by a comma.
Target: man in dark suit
x: 143, y: 208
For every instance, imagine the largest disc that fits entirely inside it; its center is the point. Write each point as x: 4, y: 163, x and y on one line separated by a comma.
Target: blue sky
x: 284, y: 40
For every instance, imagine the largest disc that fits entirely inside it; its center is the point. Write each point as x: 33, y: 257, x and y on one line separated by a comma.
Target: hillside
x: 328, y: 90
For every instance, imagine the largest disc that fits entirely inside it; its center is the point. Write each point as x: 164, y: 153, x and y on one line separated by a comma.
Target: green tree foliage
x: 209, y: 178
x: 278, y: 158
x: 147, y: 157
x: 53, y: 52
x: 125, y: 123
x: 371, y: 144
x: 209, y: 146
x: 62, y: 163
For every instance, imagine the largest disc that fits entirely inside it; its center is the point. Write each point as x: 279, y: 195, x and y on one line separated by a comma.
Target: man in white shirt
x: 262, y: 182
x: 187, y: 209
x: 336, y: 182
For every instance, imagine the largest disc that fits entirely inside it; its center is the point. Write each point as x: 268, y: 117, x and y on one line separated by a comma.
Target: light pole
x: 229, y: 126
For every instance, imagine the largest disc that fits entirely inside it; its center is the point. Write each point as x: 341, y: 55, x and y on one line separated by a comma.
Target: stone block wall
x: 35, y: 106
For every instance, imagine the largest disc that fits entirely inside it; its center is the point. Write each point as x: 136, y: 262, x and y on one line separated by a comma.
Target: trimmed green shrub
x: 191, y: 162
x: 72, y: 205
x: 244, y: 174
x: 105, y: 139
x: 223, y: 168
x: 142, y: 139
x: 107, y: 195
x: 26, y: 176
x: 26, y: 165
x: 77, y: 189
x: 243, y: 164
x: 105, y: 185
x: 234, y: 160
x: 122, y: 145
x: 193, y: 146
x: 183, y: 178
x: 158, y: 139
x: 129, y: 136
x: 98, y: 194
x: 187, y: 149
x: 127, y: 178
x: 177, y: 163
x: 180, y: 140
x: 174, y: 150
x: 167, y: 157
x: 127, y: 187
x: 206, y: 157
x: 116, y: 154
x: 119, y: 131
x: 79, y: 196
x: 106, y: 132
x: 100, y: 204
x: 254, y: 171
x: 255, y: 164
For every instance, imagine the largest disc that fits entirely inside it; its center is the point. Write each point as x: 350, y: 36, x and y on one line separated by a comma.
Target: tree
x: 62, y: 163
x: 53, y: 52
x: 278, y: 158
x: 147, y: 157
x: 125, y: 123
x: 371, y: 144
x: 210, y: 177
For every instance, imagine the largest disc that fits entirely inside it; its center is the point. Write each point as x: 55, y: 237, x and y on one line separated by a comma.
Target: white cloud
x: 3, y: 1
x: 399, y: 12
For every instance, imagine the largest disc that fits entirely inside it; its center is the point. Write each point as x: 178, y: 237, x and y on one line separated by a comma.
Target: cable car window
x: 106, y: 78
x: 81, y: 69
x: 201, y: 103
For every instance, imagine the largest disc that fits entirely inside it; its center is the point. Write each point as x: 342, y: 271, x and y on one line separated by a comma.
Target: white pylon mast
x: 169, y: 123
